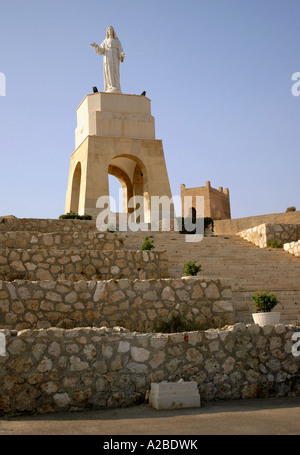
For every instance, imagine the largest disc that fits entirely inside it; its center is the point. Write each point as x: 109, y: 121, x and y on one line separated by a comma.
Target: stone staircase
x: 248, y: 268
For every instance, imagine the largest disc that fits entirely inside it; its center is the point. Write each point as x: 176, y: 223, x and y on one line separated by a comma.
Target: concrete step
x: 288, y: 306
x: 248, y: 267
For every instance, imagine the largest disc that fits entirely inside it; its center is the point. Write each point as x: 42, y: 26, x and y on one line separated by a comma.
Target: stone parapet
x: 136, y: 305
x: 262, y: 234
x: 52, y: 370
x: 293, y: 248
x: 233, y: 226
x: 76, y: 265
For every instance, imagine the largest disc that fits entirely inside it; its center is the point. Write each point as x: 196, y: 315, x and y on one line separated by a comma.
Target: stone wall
x: 42, y: 240
x: 45, y: 225
x: 136, y: 305
x: 233, y: 226
x: 54, y: 369
x: 293, y: 248
x: 260, y: 235
x: 75, y: 265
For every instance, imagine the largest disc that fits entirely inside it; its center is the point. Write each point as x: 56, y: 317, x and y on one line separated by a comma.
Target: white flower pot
x: 270, y: 318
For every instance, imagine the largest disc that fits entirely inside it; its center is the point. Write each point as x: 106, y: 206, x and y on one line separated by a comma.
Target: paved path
x: 273, y: 416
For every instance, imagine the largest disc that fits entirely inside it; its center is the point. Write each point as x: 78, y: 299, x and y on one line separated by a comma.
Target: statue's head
x: 110, y: 32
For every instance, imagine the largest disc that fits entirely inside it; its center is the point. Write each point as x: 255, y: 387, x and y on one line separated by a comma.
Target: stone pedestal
x: 115, y: 135
x: 174, y: 395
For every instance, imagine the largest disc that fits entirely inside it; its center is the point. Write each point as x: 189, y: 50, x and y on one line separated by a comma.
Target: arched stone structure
x: 75, y: 195
x: 115, y: 135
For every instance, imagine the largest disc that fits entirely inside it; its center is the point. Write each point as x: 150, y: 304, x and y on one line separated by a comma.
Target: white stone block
x: 174, y: 395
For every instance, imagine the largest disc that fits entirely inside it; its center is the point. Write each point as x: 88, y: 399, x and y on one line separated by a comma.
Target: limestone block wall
x: 136, y: 305
x: 54, y: 369
x: 87, y: 240
x: 256, y: 235
x: 233, y: 226
x: 46, y: 225
x: 260, y: 235
x: 292, y: 248
x: 74, y: 265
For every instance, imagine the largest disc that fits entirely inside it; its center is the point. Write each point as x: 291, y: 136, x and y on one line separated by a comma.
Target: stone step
x: 289, y: 305
x: 248, y: 267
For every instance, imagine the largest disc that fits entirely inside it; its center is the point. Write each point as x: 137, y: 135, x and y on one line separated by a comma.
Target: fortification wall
x: 50, y: 370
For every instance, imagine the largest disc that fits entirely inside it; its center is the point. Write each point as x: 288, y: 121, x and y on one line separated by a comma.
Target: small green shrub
x: 74, y: 216
x: 274, y: 243
x: 191, y: 268
x: 147, y: 244
x: 264, y: 302
x: 177, y: 324
x: 291, y: 209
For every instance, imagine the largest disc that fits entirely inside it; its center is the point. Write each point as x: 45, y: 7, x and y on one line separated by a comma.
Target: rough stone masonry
x: 49, y: 370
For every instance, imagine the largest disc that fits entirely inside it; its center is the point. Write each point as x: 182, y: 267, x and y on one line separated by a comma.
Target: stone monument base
x: 115, y: 135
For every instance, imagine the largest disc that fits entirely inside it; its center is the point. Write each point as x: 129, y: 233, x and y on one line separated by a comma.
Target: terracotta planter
x: 270, y: 318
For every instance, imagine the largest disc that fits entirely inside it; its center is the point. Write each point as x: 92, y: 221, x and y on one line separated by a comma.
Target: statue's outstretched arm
x: 98, y: 49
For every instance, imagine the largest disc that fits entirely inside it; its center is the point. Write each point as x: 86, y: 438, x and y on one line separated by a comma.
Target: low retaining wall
x: 75, y: 265
x: 46, y: 225
x: 135, y: 305
x: 260, y: 235
x: 293, y: 248
x: 233, y: 226
x: 51, y: 370
x: 80, y: 240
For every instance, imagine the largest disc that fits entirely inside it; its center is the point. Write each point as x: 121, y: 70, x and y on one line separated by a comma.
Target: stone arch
x: 125, y: 183
x: 133, y: 176
x: 75, y: 193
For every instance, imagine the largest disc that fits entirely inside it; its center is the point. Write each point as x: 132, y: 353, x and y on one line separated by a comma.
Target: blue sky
x: 218, y: 73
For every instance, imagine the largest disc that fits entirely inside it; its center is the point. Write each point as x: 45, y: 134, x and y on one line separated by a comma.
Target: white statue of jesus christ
x: 112, y: 51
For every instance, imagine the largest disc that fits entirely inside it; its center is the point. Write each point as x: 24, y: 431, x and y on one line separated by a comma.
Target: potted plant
x: 264, y: 302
